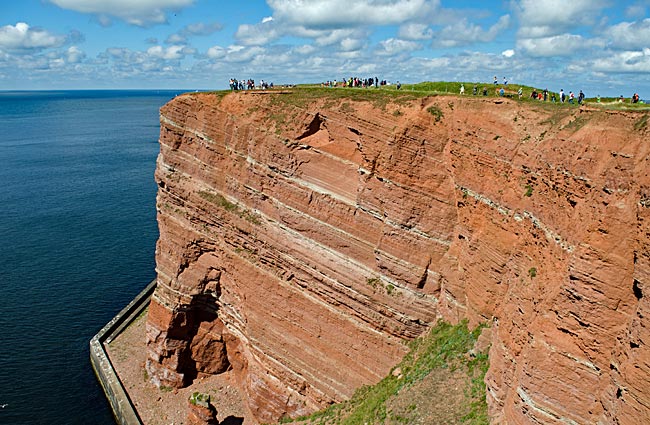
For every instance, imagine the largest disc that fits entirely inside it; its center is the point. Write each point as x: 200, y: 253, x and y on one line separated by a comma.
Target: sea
x: 77, y: 240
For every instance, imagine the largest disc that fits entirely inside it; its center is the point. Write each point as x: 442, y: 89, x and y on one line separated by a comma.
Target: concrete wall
x: 123, y: 409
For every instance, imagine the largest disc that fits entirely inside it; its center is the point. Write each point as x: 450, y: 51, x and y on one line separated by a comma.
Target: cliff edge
x: 305, y: 234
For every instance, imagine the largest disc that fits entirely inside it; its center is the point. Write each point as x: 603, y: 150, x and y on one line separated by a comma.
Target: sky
x: 599, y: 46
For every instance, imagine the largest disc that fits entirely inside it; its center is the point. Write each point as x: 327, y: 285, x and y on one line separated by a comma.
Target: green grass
x: 444, y: 346
x: 529, y: 191
x: 302, y: 95
x: 200, y: 399
x: 576, y: 124
x: 477, y: 414
x: 447, y: 87
x: 641, y: 123
x: 219, y: 200
x: 373, y: 281
x: 612, y: 103
x: 436, y: 112
x: 305, y: 95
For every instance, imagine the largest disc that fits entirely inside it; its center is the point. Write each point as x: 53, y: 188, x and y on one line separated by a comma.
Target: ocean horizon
x: 78, y: 234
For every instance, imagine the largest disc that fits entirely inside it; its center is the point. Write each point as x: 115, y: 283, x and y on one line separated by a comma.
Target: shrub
x: 436, y: 112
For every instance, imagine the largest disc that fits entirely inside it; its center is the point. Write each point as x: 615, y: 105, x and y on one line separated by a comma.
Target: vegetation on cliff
x: 439, y: 381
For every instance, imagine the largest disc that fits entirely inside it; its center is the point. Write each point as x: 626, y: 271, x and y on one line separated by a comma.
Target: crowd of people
x: 248, y: 84
x: 356, y: 82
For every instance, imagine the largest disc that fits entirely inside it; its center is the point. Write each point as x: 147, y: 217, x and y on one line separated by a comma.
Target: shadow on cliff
x: 200, y: 355
x: 232, y: 420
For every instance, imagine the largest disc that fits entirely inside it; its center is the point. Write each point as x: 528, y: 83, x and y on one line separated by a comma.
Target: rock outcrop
x: 303, y: 238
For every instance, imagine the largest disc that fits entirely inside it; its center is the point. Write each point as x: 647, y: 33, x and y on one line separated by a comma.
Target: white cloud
x: 629, y: 35
x: 176, y: 39
x: 626, y: 62
x: 415, y: 31
x: 216, y: 52
x: 175, y: 52
x: 305, y: 49
x: 273, y: 59
x: 136, y: 12
x: 462, y: 33
x: 314, y: 40
x: 259, y: 34
x: 544, y: 18
x: 328, y: 38
x: 350, y: 55
x: 21, y: 36
x: 201, y: 28
x: 238, y: 54
x: 125, y: 55
x: 442, y: 63
x: 270, y: 30
x: 394, y: 46
x: 74, y: 55
x: 351, y: 44
x: 338, y: 13
x: 557, y: 46
x: 191, y: 30
x: 635, y: 11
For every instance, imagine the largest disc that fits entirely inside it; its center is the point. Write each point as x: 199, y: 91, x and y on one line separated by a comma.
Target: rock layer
x: 302, y: 240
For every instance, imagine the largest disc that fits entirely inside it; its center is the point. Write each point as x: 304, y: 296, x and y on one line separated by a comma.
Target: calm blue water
x: 77, y: 239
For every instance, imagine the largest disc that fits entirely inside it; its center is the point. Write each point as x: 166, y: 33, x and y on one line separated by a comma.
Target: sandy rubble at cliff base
x: 163, y: 407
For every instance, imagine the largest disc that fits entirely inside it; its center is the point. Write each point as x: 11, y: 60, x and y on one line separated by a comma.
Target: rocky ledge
x: 304, y: 235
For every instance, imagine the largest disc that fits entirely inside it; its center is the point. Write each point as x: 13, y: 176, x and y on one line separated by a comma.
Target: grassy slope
x: 439, y: 381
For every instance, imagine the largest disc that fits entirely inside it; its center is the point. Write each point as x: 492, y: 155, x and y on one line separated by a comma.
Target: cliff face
x: 302, y: 240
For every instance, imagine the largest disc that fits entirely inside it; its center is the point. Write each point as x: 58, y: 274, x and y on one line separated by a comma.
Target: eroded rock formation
x: 303, y: 239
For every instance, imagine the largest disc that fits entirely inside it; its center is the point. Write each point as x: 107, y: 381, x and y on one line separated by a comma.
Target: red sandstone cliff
x: 302, y: 240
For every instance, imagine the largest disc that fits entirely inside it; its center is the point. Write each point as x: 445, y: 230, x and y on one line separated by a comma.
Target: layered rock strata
x: 304, y: 238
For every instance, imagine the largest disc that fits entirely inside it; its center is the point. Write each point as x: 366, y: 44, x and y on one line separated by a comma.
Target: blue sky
x: 599, y: 46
